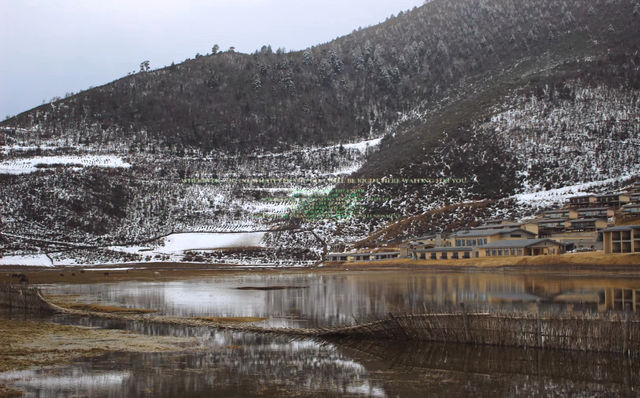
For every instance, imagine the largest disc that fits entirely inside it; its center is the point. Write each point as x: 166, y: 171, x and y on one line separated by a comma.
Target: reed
x: 23, y: 297
x: 612, y: 332
x: 606, y: 332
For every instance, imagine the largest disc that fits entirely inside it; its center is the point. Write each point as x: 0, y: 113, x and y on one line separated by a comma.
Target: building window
x: 494, y: 252
x: 499, y: 252
x: 513, y: 252
x: 519, y: 252
x: 488, y: 253
x: 516, y: 235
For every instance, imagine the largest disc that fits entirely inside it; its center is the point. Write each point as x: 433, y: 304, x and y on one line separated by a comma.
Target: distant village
x: 607, y: 222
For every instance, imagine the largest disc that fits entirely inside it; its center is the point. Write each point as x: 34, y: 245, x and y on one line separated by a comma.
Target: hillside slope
x: 352, y: 87
x: 507, y: 97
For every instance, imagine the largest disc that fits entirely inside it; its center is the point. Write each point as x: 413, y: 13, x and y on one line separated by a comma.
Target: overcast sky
x: 51, y: 47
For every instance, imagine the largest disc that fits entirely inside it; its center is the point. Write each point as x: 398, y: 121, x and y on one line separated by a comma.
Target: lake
x: 238, y: 364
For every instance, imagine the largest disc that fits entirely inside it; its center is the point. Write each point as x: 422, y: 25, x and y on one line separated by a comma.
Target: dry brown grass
x: 8, y: 392
x: 230, y: 319
x: 145, y: 272
x: 108, y: 308
x: 26, y: 344
x: 629, y: 220
x: 66, y: 301
x: 569, y: 259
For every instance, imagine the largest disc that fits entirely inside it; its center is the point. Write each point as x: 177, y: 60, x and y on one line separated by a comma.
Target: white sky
x: 51, y: 47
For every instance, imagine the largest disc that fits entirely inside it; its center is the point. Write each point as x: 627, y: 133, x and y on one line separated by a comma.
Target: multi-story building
x: 622, y: 239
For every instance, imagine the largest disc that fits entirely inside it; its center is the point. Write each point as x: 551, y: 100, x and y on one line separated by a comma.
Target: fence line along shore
x: 596, y: 332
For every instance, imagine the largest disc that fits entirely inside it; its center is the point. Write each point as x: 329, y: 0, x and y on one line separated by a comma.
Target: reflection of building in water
x: 621, y: 300
x: 455, y: 289
x: 542, y: 293
x: 595, y: 295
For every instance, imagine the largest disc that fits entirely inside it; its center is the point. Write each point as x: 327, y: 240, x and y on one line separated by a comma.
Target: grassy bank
x: 69, y: 302
x: 26, y: 344
x: 139, y: 272
x: 169, y: 271
x: 565, y: 260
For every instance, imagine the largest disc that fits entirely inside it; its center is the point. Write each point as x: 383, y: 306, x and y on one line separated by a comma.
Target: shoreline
x: 569, y: 260
x: 588, y: 263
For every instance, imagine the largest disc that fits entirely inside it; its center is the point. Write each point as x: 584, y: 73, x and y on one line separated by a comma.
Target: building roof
x: 496, y: 226
x: 631, y: 205
x: 361, y: 254
x: 487, y: 232
x: 543, y: 220
x: 605, y: 195
x: 592, y: 209
x: 558, y: 210
x: 586, y: 220
x: 581, y: 196
x: 621, y: 228
x: 447, y: 249
x: 516, y: 243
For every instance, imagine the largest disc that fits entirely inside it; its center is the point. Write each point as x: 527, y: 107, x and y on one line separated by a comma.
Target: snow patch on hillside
x: 178, y: 243
x: 202, y: 241
x: 558, y: 196
x: 24, y: 148
x: 32, y: 165
x: 361, y: 146
x: 36, y: 260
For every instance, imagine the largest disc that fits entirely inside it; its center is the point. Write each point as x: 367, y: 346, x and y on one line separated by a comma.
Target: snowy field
x: 176, y: 244
x: 34, y: 260
x: 360, y: 146
x: 173, y: 245
x: 32, y: 165
x: 559, y: 196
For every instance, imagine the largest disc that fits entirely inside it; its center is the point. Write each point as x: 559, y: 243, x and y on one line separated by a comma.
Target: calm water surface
x: 236, y: 364
x: 312, y: 299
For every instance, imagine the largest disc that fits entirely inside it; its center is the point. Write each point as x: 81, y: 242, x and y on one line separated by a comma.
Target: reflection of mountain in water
x: 339, y: 298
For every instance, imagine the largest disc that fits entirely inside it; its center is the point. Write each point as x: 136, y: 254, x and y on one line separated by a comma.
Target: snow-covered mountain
x: 440, y: 117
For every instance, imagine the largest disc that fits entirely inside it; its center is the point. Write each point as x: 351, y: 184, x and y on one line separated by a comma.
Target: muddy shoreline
x: 583, y: 263
x: 37, y: 343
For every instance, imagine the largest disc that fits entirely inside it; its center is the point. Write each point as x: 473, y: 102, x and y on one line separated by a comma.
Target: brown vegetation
x: 26, y: 344
x: 563, y: 260
x: 616, y: 333
x: 230, y: 319
x: 8, y: 392
x: 105, y: 308
x: 141, y: 272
